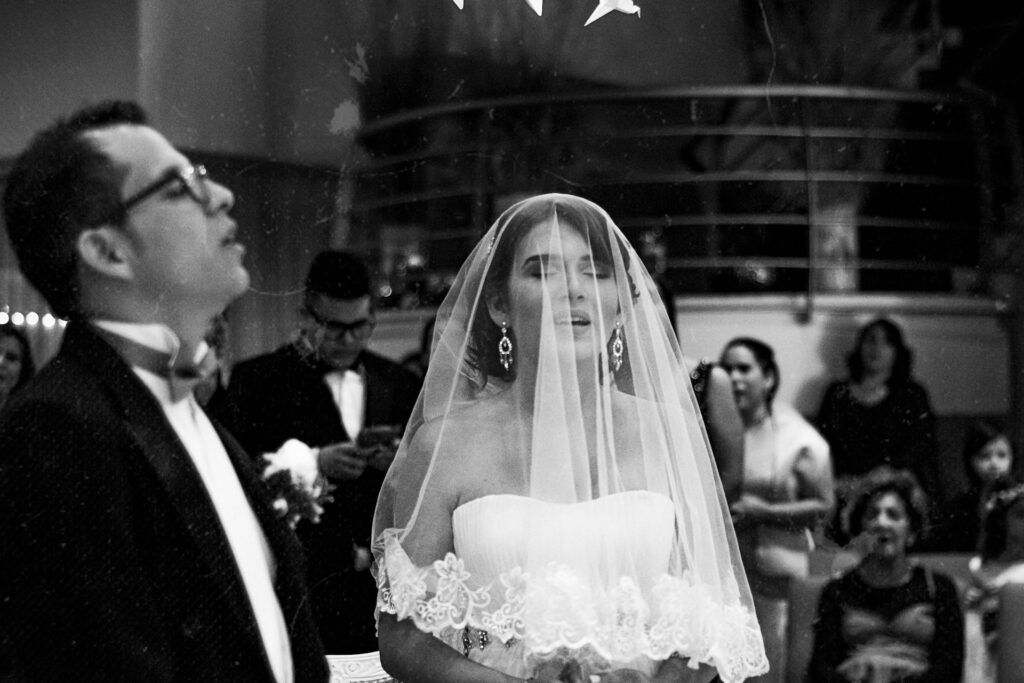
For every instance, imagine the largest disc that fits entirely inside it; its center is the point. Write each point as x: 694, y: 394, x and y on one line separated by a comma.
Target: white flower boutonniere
x: 295, y: 483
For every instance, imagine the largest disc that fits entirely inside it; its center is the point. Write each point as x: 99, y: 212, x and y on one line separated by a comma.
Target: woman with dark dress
x: 879, y: 415
x: 888, y: 619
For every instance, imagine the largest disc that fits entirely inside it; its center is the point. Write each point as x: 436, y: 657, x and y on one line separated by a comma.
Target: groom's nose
x: 221, y: 198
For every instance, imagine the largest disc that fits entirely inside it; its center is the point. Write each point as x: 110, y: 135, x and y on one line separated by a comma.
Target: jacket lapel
x: 157, y: 441
x: 290, y: 578
x: 282, y: 542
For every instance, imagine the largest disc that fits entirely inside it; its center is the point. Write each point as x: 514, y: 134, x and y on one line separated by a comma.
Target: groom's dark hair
x: 60, y: 185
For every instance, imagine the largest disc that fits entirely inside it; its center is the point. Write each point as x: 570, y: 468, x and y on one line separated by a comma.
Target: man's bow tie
x: 181, y: 379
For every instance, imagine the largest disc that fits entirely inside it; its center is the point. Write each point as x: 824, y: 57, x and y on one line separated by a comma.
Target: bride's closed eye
x: 601, y: 271
x: 544, y: 266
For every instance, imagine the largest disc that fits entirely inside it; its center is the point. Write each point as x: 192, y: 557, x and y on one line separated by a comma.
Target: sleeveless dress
x: 522, y: 588
x: 496, y: 533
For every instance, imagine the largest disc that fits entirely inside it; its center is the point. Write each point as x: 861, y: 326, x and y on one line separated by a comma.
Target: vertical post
x: 1016, y: 320
x: 810, y: 165
x: 481, y: 176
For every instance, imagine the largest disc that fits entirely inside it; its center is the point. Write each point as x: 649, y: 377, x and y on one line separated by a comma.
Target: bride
x: 553, y: 513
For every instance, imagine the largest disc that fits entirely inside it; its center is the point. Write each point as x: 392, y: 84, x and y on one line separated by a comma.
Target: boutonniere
x: 296, y: 486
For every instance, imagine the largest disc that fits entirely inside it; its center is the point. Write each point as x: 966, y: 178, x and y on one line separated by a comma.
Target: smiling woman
x: 888, y: 619
x: 553, y: 512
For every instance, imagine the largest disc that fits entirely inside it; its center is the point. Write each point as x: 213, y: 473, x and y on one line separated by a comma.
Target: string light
x: 30, y: 319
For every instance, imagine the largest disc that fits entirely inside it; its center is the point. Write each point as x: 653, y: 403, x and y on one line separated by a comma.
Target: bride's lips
x: 574, y: 319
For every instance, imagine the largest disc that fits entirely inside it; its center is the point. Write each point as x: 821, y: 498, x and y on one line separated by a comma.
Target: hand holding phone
x: 341, y: 461
x: 379, y: 443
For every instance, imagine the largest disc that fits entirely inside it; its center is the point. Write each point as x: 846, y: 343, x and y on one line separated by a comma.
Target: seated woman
x: 553, y: 512
x: 988, y: 459
x: 888, y: 619
x: 879, y: 416
x: 786, y: 489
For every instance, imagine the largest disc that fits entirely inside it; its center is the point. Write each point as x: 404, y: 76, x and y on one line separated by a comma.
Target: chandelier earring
x: 505, y: 347
x: 617, y: 346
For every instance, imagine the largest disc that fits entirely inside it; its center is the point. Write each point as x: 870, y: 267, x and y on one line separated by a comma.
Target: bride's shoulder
x: 629, y: 406
x: 464, y: 425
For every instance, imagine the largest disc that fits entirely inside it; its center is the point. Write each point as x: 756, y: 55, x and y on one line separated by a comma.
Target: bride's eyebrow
x: 542, y: 259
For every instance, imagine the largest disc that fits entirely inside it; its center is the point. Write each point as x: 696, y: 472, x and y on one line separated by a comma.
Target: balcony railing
x: 741, y: 189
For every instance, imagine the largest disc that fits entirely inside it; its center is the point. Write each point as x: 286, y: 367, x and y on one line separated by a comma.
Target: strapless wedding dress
x: 564, y: 543
x: 497, y: 532
x: 531, y: 580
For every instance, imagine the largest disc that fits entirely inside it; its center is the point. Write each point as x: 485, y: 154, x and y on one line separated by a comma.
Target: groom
x: 137, y: 541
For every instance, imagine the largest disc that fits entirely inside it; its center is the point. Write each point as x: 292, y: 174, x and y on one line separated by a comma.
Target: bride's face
x: 581, y: 286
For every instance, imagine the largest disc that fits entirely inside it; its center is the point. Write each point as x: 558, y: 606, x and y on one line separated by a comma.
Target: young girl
x: 987, y: 458
x: 1001, y: 561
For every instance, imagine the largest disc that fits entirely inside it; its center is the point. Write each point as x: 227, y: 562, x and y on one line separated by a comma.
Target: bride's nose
x: 574, y: 285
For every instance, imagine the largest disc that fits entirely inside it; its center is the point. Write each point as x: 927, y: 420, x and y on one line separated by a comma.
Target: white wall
x: 961, y: 346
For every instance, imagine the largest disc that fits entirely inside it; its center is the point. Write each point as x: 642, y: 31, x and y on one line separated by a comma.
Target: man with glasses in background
x: 138, y: 544
x: 327, y: 390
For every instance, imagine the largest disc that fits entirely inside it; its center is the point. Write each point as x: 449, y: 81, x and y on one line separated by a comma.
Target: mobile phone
x: 378, y: 435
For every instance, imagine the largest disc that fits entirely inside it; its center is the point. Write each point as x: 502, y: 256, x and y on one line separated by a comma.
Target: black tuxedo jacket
x: 280, y: 396
x: 115, y: 565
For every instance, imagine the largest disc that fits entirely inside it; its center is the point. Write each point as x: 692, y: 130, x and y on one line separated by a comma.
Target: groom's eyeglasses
x: 335, y: 329
x: 192, y: 180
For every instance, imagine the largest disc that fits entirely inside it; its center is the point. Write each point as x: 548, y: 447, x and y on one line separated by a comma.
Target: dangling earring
x: 617, y: 347
x: 505, y: 347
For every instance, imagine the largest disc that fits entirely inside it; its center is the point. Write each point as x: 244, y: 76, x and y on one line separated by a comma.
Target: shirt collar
x: 154, y: 335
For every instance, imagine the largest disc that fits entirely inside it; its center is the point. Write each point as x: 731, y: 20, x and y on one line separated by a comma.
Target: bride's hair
x: 513, y: 226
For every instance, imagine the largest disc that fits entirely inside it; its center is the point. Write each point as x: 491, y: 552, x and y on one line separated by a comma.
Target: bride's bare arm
x: 413, y: 656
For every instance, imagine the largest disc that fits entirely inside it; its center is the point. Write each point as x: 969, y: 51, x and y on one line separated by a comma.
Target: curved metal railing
x: 734, y: 189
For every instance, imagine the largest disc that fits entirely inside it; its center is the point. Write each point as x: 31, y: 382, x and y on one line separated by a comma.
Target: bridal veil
x: 554, y: 489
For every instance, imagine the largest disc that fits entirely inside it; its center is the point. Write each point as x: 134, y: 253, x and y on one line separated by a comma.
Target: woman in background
x: 713, y: 389
x: 786, y: 489
x: 16, y: 366
x: 879, y: 415
x: 888, y: 619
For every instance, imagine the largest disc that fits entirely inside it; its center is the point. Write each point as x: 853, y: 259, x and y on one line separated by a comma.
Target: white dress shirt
x: 244, y: 534
x: 348, y: 388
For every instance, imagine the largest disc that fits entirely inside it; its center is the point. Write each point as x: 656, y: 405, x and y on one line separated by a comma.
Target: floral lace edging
x: 563, y: 611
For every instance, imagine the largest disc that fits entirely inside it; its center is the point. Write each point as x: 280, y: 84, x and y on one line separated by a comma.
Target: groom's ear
x: 497, y: 309
x: 105, y: 250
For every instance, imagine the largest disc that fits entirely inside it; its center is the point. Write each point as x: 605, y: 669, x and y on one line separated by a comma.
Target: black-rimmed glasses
x: 193, y: 181
x: 360, y: 329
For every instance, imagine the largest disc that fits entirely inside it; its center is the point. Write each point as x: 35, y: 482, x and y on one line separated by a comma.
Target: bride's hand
x: 676, y: 670
x: 623, y: 676
x: 559, y: 672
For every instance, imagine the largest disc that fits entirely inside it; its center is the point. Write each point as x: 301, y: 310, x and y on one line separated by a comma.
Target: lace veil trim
x: 617, y: 624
